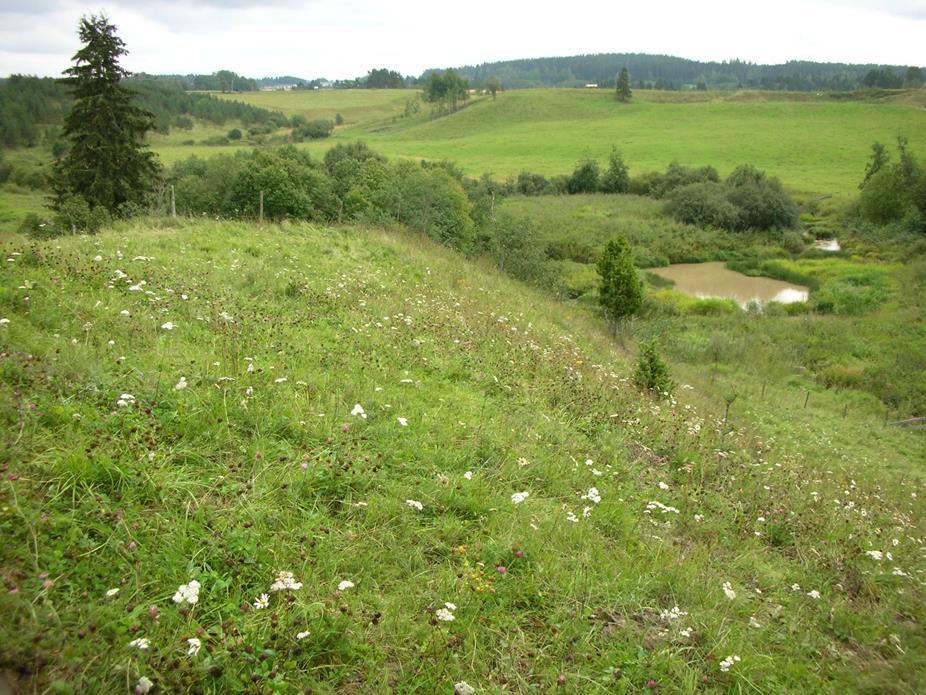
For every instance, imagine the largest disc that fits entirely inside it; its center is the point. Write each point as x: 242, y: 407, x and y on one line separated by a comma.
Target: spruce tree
x: 623, y: 85
x: 652, y: 373
x: 620, y: 292
x: 108, y: 164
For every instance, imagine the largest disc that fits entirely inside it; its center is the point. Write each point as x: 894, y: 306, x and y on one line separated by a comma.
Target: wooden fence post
x: 173, y: 202
x: 260, y: 217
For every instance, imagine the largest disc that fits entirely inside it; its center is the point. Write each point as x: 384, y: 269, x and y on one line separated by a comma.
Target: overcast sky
x: 344, y: 38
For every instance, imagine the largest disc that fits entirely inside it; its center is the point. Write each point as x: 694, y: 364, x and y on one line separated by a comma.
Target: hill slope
x: 223, y: 402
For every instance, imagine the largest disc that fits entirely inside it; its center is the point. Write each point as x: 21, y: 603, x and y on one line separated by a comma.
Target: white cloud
x: 345, y: 39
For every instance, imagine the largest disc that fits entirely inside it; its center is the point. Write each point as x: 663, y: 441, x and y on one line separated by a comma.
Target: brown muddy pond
x: 707, y: 280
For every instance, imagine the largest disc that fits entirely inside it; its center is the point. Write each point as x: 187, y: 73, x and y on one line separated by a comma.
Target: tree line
x: 32, y: 109
x: 669, y: 72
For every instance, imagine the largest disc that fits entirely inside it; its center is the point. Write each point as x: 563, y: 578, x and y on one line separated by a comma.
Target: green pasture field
x: 223, y: 402
x: 357, y: 106
x: 815, y: 146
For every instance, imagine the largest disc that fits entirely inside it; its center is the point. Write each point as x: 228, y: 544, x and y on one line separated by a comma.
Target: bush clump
x: 652, y: 372
x: 747, y: 200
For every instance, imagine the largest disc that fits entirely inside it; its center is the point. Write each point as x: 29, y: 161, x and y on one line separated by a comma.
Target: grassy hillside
x: 357, y: 106
x: 813, y: 145
x: 222, y: 402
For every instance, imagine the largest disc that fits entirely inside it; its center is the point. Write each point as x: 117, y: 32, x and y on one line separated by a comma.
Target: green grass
x: 657, y: 239
x: 357, y: 106
x: 258, y: 466
x: 814, y: 145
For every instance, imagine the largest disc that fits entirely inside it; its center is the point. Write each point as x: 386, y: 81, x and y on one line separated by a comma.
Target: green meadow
x: 341, y: 458
x: 814, y: 144
x: 454, y: 469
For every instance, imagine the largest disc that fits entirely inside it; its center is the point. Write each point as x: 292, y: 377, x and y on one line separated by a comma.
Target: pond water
x: 705, y: 280
x: 827, y: 245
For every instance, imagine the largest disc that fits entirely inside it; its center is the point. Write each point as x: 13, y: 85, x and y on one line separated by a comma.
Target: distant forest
x: 668, y: 72
x: 32, y: 109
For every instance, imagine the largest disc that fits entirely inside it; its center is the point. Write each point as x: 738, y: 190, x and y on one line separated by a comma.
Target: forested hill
x: 668, y: 72
x: 33, y: 108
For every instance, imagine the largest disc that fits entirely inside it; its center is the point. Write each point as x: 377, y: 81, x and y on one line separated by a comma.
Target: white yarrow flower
x: 112, y: 592
x: 463, y: 688
x: 875, y: 554
x: 302, y: 635
x: 144, y: 685
x: 345, y: 585
x: 727, y: 663
x: 468, y: 475
x: 180, y: 385
x: 169, y: 326
x: 414, y: 504
x: 188, y: 592
x: 140, y: 643
x: 285, y: 582
x: 728, y: 590
x: 359, y: 411
x: 814, y: 594
x: 444, y: 615
x: 403, y: 422
x: 519, y: 497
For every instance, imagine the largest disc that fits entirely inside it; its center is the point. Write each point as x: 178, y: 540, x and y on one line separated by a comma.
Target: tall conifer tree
x: 108, y: 163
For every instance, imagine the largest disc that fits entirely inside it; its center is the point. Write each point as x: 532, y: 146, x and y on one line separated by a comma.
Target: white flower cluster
x: 446, y: 613
x: 414, y: 504
x: 728, y: 590
x: 727, y: 663
x: 345, y: 585
x: 285, y: 582
x: 665, y: 509
x: 188, y: 592
x: 125, y: 399
x: 670, y: 614
x: 592, y: 495
x: 519, y: 497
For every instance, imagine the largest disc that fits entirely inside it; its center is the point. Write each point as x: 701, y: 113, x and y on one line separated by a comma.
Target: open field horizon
x: 814, y: 144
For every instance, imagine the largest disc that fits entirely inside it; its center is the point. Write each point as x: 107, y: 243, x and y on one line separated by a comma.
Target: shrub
x: 359, y: 151
x: 621, y: 291
x: 585, y: 177
x: 234, y: 134
x: 761, y: 201
x: 677, y: 176
x: 34, y: 226
x: 517, y: 253
x: 313, y: 130
x: 534, y: 184
x: 703, y: 204
x: 882, y: 199
x: 74, y: 214
x: 433, y: 202
x: 652, y: 373
x: 649, y: 184
x: 616, y: 179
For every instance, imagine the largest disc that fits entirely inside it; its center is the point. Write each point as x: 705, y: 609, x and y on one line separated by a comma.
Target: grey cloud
x: 906, y: 9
